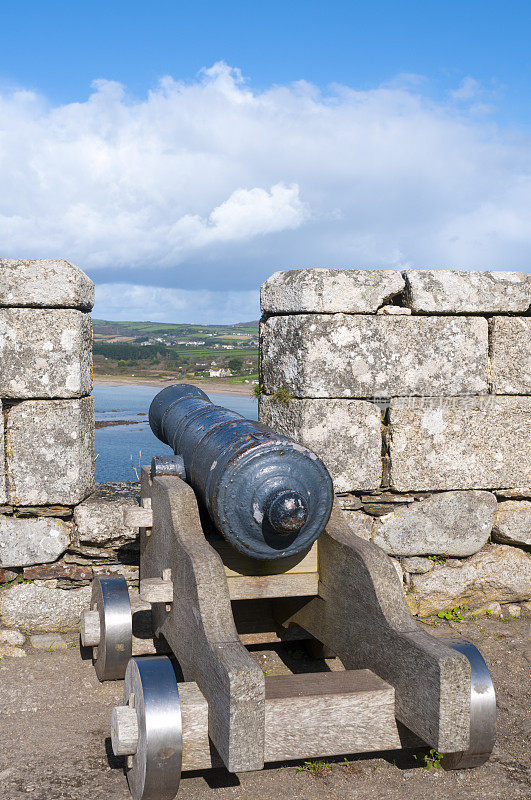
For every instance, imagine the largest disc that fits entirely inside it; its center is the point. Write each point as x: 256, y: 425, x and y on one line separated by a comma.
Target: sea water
x: 121, y: 449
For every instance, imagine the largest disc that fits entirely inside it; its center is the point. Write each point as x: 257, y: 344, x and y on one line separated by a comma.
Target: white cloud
x: 119, y: 301
x: 211, y: 185
x: 245, y: 214
x: 467, y: 89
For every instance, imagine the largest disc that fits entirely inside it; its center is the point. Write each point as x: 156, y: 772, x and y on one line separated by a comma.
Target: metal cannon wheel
x: 482, y: 711
x: 148, y: 729
x: 108, y: 627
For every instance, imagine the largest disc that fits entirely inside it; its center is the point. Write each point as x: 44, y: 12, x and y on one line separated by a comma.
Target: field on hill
x: 164, y: 350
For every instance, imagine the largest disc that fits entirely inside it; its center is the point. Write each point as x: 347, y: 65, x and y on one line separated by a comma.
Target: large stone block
x: 513, y: 523
x: 100, y: 518
x: 2, y: 459
x: 511, y: 355
x: 354, y: 291
x: 34, y: 607
x: 460, y: 443
x: 50, y: 451
x: 45, y: 284
x: 497, y: 573
x: 339, y: 355
x: 345, y: 434
x: 445, y: 291
x: 518, y: 493
x: 447, y: 523
x: 45, y: 353
x: 28, y: 541
x: 417, y: 565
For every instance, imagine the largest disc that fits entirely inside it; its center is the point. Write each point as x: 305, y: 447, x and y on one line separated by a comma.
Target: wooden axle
x: 318, y: 714
x: 90, y: 628
x: 124, y: 730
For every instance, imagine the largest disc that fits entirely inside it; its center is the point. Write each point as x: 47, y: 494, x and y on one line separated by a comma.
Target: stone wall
x: 415, y: 389
x: 46, y: 436
x: 56, y: 528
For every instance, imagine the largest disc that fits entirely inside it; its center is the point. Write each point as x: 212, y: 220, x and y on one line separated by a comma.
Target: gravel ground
x: 54, y: 724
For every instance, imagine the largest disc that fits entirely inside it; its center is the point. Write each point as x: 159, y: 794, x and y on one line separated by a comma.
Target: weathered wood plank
x: 320, y: 684
x: 362, y: 616
x: 292, y: 584
x: 200, y: 627
x: 307, y: 716
x: 328, y: 713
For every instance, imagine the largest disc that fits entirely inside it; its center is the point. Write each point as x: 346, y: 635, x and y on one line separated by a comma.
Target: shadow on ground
x: 55, y: 735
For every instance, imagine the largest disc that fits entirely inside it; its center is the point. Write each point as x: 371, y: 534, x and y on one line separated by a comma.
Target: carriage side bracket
x: 362, y: 616
x: 199, y: 626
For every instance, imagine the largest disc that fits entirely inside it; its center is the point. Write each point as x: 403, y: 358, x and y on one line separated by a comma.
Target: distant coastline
x: 221, y: 387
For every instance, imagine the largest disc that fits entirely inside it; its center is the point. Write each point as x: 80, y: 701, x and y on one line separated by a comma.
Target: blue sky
x: 180, y: 153
x: 60, y: 47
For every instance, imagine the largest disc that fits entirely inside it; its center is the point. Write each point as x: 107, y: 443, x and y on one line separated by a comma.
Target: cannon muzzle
x: 269, y: 496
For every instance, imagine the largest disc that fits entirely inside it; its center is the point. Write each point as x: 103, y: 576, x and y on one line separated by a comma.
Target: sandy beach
x: 245, y: 389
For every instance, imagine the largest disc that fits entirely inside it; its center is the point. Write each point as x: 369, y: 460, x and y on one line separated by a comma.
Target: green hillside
x: 181, y: 350
x: 106, y: 328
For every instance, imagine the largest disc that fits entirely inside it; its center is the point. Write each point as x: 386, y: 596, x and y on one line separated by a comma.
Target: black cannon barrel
x: 269, y: 496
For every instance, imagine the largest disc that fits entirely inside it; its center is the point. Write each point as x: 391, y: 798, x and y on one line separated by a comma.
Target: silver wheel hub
x: 154, y: 769
x: 110, y: 598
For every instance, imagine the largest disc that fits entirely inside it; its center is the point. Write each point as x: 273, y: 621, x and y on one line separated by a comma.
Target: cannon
x: 268, y: 496
x: 241, y: 543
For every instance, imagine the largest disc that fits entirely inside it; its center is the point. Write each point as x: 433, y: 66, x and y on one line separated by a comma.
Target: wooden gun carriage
x: 401, y: 687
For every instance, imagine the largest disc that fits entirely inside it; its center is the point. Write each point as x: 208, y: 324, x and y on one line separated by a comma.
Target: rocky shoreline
x: 221, y: 387
x: 107, y: 423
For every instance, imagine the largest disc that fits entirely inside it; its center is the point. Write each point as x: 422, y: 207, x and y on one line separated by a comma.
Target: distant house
x: 220, y: 373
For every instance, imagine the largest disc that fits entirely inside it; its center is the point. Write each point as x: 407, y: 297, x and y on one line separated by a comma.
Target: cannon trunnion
x: 205, y: 597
